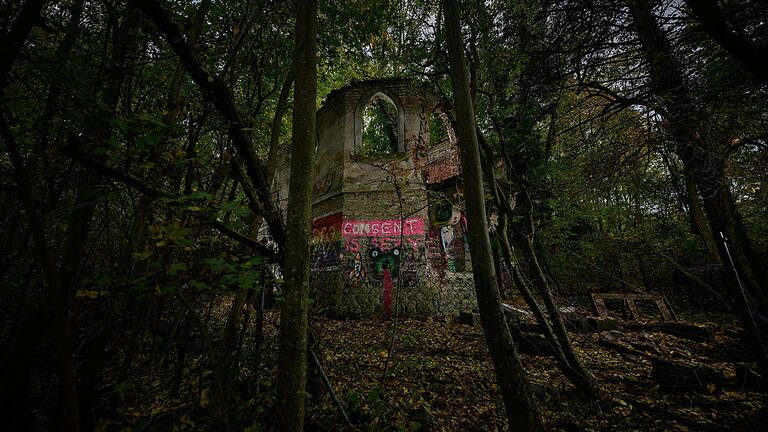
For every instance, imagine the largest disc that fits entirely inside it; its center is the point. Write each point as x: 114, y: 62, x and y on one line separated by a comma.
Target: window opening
x: 380, y: 127
x: 438, y: 133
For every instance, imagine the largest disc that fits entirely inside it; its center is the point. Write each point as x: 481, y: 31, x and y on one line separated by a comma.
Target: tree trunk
x: 11, y: 44
x: 700, y: 220
x: 579, y: 375
x: 219, y: 408
x: 292, y: 365
x: 521, y: 407
x: 70, y: 414
x: 230, y: 339
x: 735, y: 43
x: 704, y: 162
x: 563, y: 349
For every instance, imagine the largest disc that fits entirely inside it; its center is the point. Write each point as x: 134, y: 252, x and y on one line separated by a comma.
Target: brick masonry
x: 376, y: 251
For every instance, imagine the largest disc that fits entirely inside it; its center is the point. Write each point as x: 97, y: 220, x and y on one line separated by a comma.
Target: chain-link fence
x: 412, y: 287
x: 418, y: 280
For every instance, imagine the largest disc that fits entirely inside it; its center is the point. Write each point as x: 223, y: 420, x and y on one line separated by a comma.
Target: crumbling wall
x: 373, y: 250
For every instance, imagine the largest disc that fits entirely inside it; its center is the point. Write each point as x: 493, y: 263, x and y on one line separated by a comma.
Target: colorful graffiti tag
x: 381, y: 261
x: 357, y: 274
x: 383, y: 242
x: 326, y: 242
x: 448, y: 230
x: 443, y: 215
x: 382, y: 234
x: 386, y: 264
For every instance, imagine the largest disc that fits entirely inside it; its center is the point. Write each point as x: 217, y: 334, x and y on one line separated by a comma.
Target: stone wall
x: 373, y: 253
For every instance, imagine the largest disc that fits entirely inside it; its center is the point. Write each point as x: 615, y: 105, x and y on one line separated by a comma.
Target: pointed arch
x: 368, y: 98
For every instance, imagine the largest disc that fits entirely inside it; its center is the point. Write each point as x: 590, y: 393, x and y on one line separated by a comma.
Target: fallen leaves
x: 443, y: 369
x: 434, y: 375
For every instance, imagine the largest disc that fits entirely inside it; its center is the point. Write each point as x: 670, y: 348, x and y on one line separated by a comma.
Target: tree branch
x: 155, y: 193
x: 216, y: 90
x: 735, y: 43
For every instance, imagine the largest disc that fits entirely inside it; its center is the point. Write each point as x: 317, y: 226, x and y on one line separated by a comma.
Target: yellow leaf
x: 205, y: 398
x: 91, y: 294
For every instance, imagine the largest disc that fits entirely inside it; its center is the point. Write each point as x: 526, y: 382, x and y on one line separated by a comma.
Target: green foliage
x: 368, y: 408
x: 438, y: 133
x: 380, y: 128
x: 562, y: 97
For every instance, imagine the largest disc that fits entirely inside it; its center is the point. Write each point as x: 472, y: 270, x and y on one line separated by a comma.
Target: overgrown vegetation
x: 623, y: 146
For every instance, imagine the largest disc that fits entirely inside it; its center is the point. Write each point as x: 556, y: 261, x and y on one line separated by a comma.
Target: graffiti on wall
x: 326, y: 242
x: 382, y: 234
x: 385, y: 264
x: 444, y: 215
x: 448, y: 230
x: 382, y: 261
x: 357, y: 274
x: 383, y: 243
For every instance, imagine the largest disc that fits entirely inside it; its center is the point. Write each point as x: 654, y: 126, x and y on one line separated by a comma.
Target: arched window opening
x: 438, y: 132
x: 379, y: 127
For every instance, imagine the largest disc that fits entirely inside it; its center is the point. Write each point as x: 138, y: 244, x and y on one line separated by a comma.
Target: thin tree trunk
x: 700, y: 220
x: 703, y: 160
x: 258, y: 337
x: 234, y: 321
x: 581, y: 377
x: 692, y: 277
x: 70, y: 415
x: 292, y: 366
x: 219, y: 408
x: 181, y: 356
x: 86, y: 202
x: 277, y: 121
x: 521, y: 407
x: 576, y: 373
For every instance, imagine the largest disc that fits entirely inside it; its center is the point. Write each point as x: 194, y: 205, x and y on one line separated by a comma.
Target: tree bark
x: 521, y: 407
x: 705, y: 162
x: 579, y: 374
x: 292, y: 365
x: 700, y: 220
x: 277, y: 120
x: 216, y: 90
x: 736, y: 44
x: 563, y: 349
x: 70, y: 415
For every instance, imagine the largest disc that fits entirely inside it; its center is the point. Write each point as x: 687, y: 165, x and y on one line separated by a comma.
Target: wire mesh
x: 411, y: 285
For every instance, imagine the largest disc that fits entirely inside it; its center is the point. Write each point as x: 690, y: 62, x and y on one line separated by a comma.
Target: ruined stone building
x: 388, y: 222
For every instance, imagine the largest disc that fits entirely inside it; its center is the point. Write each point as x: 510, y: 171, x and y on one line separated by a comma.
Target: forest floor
x: 436, y: 375
x: 439, y: 375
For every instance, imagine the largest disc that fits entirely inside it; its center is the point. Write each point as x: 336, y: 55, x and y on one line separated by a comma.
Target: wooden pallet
x: 629, y: 301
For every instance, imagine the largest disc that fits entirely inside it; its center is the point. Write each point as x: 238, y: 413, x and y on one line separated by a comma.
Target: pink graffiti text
x: 353, y: 244
x: 382, y: 228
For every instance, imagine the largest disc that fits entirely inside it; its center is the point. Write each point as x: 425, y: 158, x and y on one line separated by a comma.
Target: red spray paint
x: 387, y: 293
